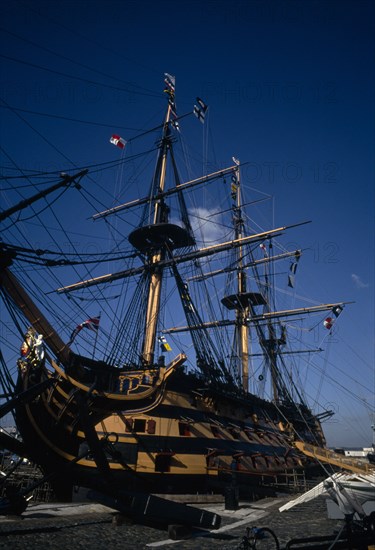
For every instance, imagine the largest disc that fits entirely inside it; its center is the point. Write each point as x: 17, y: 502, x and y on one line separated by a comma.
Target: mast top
x: 159, y: 235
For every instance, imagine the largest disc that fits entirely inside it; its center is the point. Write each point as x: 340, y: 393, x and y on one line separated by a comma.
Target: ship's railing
x: 117, y: 384
x: 325, y: 455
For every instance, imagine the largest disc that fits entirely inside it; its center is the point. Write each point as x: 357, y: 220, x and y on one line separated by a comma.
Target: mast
x: 271, y: 343
x: 243, y: 301
x: 159, y: 236
x: 154, y: 291
x: 241, y: 313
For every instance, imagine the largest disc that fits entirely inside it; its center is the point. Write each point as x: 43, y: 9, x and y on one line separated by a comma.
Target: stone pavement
x: 94, y: 526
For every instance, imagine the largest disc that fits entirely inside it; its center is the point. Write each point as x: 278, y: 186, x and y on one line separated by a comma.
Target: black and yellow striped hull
x: 191, y: 440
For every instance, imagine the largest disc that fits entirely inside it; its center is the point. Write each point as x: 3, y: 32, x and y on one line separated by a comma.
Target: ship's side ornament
x: 32, y: 351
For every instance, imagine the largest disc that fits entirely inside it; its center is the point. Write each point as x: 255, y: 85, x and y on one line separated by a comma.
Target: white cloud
x: 207, y: 224
x: 358, y: 281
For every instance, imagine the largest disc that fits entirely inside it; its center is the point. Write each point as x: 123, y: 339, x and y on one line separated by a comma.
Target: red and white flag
x: 91, y: 324
x: 118, y: 141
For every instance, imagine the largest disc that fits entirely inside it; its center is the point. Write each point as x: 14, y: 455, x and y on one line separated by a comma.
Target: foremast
x: 156, y: 237
x: 159, y: 216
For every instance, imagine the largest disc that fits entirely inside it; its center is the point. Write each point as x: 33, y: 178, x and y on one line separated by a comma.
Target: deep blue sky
x: 290, y: 86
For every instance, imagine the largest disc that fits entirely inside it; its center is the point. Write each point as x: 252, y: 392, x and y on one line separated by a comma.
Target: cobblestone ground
x: 109, y: 531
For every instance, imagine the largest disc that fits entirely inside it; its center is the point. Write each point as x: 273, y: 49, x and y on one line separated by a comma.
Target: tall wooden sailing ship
x: 147, y: 416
